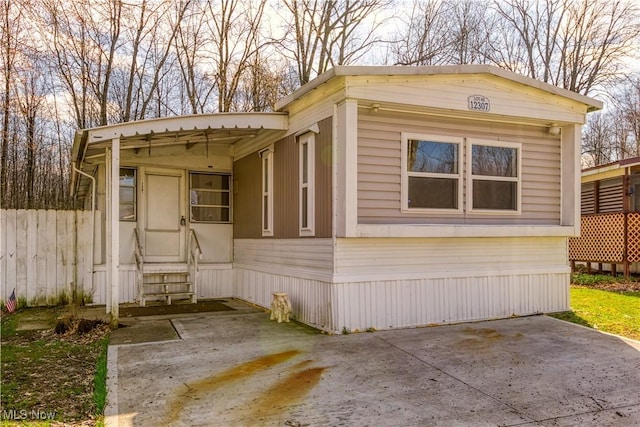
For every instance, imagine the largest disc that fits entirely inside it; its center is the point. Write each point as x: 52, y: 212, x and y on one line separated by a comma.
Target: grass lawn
x: 51, y: 378
x: 609, y: 304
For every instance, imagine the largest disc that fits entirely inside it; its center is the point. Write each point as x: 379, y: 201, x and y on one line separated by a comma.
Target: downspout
x: 93, y: 219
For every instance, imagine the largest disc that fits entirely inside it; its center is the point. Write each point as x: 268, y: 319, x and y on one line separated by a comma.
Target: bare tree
x: 469, y: 28
x: 11, y: 24
x: 235, y: 29
x: 444, y: 32
x: 574, y: 44
x: 597, y: 140
x: 424, y: 39
x: 331, y: 32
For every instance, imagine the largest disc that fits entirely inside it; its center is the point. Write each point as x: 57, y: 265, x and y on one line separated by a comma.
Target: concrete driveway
x: 238, y: 368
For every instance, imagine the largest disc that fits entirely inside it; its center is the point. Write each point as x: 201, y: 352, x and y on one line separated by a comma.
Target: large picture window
x: 306, y: 163
x: 127, y: 194
x: 431, y: 170
x: 494, y: 169
x: 210, y: 197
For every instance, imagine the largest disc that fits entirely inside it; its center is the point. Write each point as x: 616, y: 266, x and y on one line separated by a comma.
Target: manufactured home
x: 375, y: 197
x: 610, y: 223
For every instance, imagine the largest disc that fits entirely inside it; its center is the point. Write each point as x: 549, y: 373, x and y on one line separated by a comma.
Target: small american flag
x: 11, y: 302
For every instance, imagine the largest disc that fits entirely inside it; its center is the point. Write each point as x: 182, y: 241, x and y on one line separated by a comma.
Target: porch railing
x: 139, y: 257
x: 193, y: 256
x: 607, y: 238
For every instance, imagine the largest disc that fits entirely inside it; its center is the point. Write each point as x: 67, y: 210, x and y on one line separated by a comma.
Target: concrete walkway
x: 238, y: 368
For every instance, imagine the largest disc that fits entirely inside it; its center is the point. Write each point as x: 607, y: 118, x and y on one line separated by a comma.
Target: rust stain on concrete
x: 290, y: 391
x: 479, y: 339
x: 199, y: 389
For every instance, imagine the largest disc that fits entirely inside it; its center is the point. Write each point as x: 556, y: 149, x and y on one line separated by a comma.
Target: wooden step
x: 167, y: 296
x: 166, y: 285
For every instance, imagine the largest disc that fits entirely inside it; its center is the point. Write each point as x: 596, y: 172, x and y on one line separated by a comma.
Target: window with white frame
x: 494, y: 169
x: 127, y: 194
x: 306, y: 162
x: 432, y: 173
x: 267, y: 191
x: 210, y: 197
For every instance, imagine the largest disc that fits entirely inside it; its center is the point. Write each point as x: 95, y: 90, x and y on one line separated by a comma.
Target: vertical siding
x: 391, y: 283
x: 248, y: 196
x: 285, y: 189
x: 388, y: 304
x: 379, y: 167
x: 311, y: 300
x: 408, y: 303
x: 394, y: 283
x: 215, y: 281
x: 324, y: 174
x: 44, y: 253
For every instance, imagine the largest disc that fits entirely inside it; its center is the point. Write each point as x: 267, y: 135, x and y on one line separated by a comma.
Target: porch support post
x: 570, y: 147
x: 114, y: 208
x: 345, y: 202
x: 108, y: 224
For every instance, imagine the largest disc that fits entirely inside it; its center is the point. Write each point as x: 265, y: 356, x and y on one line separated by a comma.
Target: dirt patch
x: 49, y: 374
x: 613, y: 287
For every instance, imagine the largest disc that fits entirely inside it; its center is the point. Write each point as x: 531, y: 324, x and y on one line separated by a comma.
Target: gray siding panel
x: 248, y: 196
x: 379, y: 168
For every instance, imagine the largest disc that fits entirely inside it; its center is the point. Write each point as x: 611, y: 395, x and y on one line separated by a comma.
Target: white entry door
x: 164, y: 236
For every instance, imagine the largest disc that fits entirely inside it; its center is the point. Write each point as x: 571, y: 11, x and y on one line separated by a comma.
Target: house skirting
x: 388, y: 304
x: 385, y: 283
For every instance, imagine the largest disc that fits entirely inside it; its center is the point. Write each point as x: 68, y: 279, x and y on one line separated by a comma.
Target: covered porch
x: 161, y: 194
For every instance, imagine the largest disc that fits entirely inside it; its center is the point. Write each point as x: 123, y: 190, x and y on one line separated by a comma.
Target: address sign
x: 479, y: 103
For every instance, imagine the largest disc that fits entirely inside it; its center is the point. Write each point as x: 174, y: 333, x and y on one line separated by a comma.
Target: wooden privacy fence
x: 607, y: 238
x: 44, y: 253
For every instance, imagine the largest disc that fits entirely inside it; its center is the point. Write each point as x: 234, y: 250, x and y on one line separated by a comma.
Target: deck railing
x: 607, y: 238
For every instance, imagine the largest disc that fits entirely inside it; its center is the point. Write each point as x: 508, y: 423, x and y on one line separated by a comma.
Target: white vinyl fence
x: 44, y: 253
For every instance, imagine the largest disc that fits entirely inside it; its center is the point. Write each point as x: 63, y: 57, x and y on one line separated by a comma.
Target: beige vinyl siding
x: 508, y: 99
x: 408, y: 258
x: 610, y: 196
x: 379, y: 168
x: 306, y: 258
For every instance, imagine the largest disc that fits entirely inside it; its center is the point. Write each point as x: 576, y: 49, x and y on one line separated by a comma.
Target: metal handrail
x: 139, y: 256
x: 195, y: 254
x: 192, y: 235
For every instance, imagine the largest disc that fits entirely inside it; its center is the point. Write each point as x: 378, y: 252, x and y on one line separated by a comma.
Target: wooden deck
x: 607, y: 238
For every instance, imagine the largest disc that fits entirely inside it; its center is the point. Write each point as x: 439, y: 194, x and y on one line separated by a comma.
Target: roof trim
x: 198, y: 122
x: 606, y: 167
x: 401, y: 70
x: 274, y: 121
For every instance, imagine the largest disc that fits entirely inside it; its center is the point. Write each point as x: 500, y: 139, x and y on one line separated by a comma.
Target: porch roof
x: 232, y: 129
